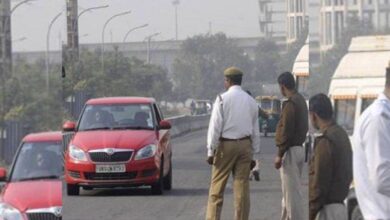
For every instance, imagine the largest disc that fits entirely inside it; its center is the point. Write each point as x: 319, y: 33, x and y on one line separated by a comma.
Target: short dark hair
x: 236, y: 79
x: 287, y: 79
x: 321, y: 105
x: 388, y: 76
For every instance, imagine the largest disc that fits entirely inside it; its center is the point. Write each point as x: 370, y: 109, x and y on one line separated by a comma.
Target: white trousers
x: 291, y: 173
x: 333, y: 212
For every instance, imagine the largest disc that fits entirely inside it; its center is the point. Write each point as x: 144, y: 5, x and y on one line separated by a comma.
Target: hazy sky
x: 237, y: 18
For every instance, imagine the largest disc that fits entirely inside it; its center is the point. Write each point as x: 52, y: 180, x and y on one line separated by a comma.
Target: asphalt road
x: 188, y: 198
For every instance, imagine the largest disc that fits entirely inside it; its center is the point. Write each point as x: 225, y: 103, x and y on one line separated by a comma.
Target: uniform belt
x: 239, y: 139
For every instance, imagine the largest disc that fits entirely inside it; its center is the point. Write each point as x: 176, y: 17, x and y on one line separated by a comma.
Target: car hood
x: 127, y: 139
x: 33, y: 194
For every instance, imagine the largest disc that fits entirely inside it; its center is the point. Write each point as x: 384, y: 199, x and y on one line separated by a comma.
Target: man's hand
x: 210, y: 160
x: 278, y: 162
x: 253, y: 164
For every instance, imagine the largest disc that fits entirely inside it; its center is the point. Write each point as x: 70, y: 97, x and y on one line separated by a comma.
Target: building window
x: 292, y: 32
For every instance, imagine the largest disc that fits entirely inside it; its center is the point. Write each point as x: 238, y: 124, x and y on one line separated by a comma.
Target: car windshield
x: 38, y: 160
x: 123, y: 116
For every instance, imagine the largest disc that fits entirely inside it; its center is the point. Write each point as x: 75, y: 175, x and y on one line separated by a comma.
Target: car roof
x: 52, y: 136
x: 120, y: 100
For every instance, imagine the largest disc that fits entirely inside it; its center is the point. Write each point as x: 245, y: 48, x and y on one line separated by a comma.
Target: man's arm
x: 215, y: 128
x: 377, y: 150
x: 321, y: 178
x: 286, y: 128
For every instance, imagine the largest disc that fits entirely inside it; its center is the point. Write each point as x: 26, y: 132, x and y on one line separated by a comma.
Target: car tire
x: 72, y: 190
x: 356, y: 214
x: 168, y: 178
x: 158, y: 187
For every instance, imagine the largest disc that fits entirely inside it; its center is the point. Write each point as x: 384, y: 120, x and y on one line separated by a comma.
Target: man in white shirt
x: 371, y: 158
x: 233, y: 138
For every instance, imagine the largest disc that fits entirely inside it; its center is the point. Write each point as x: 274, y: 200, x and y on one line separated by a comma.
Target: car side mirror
x: 165, y: 125
x: 69, y: 126
x: 3, y: 174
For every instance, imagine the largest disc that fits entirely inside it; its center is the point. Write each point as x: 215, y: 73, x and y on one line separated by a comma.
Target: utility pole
x: 5, y: 61
x: 72, y: 28
x: 176, y: 3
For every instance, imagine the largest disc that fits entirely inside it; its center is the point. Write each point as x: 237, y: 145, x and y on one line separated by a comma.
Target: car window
x: 116, y: 116
x: 38, y: 160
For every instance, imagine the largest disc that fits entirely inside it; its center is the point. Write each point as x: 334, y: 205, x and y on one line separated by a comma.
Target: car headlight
x: 146, y: 152
x: 77, y: 154
x: 9, y: 213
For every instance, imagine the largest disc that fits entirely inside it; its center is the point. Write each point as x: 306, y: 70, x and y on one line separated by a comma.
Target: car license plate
x: 120, y: 168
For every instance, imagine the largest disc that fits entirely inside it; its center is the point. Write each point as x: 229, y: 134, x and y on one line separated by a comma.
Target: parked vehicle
x: 200, y: 107
x: 272, y: 106
x: 33, y: 188
x: 119, y: 142
x: 355, y: 85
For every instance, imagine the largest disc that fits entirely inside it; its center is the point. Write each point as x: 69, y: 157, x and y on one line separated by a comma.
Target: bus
x: 356, y: 83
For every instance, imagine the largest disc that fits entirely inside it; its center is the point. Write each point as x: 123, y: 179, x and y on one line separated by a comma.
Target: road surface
x: 188, y: 198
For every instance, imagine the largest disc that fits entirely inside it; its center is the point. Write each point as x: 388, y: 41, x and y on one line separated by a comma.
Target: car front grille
x: 110, y: 176
x: 102, y: 157
x: 42, y: 216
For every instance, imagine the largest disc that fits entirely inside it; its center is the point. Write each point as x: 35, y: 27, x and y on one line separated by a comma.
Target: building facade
x: 297, y: 19
x: 334, y: 15
x: 272, y: 20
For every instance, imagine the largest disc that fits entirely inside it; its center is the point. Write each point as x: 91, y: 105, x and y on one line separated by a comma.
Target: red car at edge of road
x: 119, y: 142
x: 33, y: 188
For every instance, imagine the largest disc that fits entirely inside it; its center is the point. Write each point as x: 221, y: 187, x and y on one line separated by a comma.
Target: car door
x: 164, y: 140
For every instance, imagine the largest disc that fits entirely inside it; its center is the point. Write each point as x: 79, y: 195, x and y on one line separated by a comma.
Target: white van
x: 356, y: 83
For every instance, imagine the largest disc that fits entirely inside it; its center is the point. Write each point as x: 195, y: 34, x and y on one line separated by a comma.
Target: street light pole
x: 47, y: 51
x: 133, y: 29
x: 176, y: 4
x: 85, y: 11
x: 104, y: 28
x: 149, y: 38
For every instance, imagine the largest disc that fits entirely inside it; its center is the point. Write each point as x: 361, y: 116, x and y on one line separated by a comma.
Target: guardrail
x: 184, y: 124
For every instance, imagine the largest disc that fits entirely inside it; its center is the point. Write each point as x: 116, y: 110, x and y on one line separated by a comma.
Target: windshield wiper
x: 94, y: 129
x: 132, y: 128
x: 39, y: 177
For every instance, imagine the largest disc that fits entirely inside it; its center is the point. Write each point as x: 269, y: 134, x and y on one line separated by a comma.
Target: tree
x: 202, y: 60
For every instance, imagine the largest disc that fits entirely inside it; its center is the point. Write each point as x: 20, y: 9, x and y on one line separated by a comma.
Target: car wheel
x: 72, y: 190
x: 356, y: 214
x: 168, y: 178
x: 157, y: 188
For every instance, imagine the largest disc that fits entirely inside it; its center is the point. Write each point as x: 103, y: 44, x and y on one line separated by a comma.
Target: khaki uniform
x: 330, y: 174
x: 235, y: 157
x: 290, y: 135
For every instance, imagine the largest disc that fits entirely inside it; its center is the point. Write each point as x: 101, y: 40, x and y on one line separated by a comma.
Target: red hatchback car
x: 119, y: 142
x: 33, y: 188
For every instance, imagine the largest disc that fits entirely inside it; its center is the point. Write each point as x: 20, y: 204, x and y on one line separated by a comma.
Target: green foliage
x: 202, y: 60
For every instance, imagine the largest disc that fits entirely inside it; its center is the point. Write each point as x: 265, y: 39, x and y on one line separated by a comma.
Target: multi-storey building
x: 334, y: 15
x: 272, y: 20
x: 297, y: 19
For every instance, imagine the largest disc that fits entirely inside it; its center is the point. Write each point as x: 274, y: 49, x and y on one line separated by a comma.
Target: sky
x: 236, y: 18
